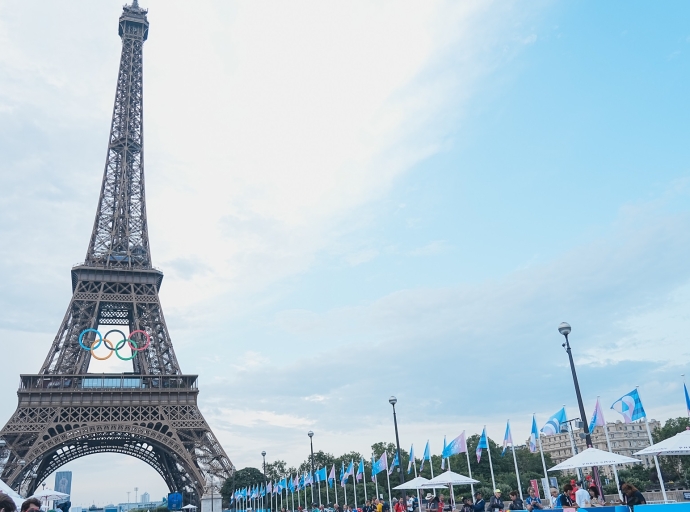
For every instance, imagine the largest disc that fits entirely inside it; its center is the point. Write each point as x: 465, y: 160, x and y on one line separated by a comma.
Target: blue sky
x: 353, y: 201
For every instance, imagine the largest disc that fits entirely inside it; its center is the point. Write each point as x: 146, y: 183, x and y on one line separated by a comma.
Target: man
x: 31, y: 505
x: 410, y: 503
x: 515, y: 502
x: 378, y: 505
x: 6, y: 503
x: 532, y: 501
x: 564, y: 499
x: 496, y: 503
x: 367, y: 507
x: 479, y: 503
x: 399, y: 506
x: 582, y: 496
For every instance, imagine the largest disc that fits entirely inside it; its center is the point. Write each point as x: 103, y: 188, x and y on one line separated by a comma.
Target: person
x: 434, y: 504
x: 479, y: 503
x: 367, y: 507
x: 554, y: 497
x: 532, y: 501
x: 564, y: 499
x: 582, y: 496
x: 336, y: 507
x: 410, y: 503
x: 594, y: 497
x: 31, y: 505
x: 633, y: 496
x: 385, y: 507
x: 496, y: 503
x: 399, y: 505
x: 378, y: 506
x: 7, y: 504
x: 515, y: 501
x: 441, y: 503
x: 467, y: 505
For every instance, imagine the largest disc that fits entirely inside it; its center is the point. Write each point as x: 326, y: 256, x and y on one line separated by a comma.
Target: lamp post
x: 392, y: 400
x: 263, y: 454
x: 311, y: 444
x: 565, y: 329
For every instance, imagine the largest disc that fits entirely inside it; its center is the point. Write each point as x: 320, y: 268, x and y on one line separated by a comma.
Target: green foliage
x: 246, y: 477
x: 675, y: 470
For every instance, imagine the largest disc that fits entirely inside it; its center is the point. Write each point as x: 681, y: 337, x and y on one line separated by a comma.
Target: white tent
x: 449, y: 478
x: 417, y: 483
x: 676, y: 445
x: 18, y: 500
x: 593, y: 457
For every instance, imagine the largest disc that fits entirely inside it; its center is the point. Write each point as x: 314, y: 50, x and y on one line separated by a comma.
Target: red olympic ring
x: 148, y: 341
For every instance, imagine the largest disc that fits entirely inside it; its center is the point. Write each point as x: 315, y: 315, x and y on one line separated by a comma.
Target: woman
x: 633, y: 496
x: 515, y: 502
x: 594, y: 497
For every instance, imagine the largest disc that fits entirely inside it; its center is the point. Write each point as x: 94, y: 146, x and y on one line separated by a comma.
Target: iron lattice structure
x: 64, y: 412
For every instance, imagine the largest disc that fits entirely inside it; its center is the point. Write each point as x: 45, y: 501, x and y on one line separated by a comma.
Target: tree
x: 246, y: 477
x: 674, y: 469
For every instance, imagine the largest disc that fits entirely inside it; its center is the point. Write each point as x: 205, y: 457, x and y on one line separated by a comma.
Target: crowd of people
x: 571, y: 496
x: 30, y: 505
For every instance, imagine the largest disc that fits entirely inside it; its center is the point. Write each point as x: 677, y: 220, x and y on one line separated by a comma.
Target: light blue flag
x: 630, y: 407
x: 483, y: 444
x: 409, y: 463
x: 533, y: 436
x: 360, y: 470
x: 553, y: 426
x: 687, y: 398
x: 507, y: 438
x: 457, y: 445
x: 597, y: 418
x: 321, y: 475
x: 427, y: 455
x: 396, y: 462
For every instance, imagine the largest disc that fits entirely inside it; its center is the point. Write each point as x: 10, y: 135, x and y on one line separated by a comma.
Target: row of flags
x: 629, y: 406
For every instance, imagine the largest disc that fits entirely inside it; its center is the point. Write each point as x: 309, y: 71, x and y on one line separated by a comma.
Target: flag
x: 687, y: 398
x: 263, y: 491
x: 331, y: 476
x: 295, y: 484
x: 553, y: 426
x: 533, y: 436
x: 396, y: 462
x: 291, y: 485
x: 380, y: 464
x: 427, y: 455
x: 343, y: 476
x: 360, y: 470
x: 350, y: 470
x: 507, y: 438
x: 630, y: 407
x: 409, y: 463
x: 302, y: 483
x: 282, y: 484
x: 597, y: 418
x: 457, y: 445
x: 443, y: 459
x: 269, y: 487
x: 483, y: 443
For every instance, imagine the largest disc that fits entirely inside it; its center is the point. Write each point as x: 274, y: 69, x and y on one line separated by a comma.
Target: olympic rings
x: 133, y: 345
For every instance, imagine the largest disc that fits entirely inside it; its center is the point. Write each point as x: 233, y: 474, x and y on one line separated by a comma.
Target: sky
x: 356, y: 200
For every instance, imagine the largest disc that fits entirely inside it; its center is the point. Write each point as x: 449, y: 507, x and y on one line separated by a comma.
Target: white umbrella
x: 593, y: 457
x: 676, y: 445
x: 18, y: 500
x: 50, y: 494
x: 417, y: 483
x: 449, y: 478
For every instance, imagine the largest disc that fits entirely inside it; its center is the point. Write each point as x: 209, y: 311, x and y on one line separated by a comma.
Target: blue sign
x: 175, y: 501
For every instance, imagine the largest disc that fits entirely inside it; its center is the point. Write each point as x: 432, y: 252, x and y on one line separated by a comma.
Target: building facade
x: 626, y: 439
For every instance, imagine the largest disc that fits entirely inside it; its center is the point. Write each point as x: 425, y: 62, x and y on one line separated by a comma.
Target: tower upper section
x: 120, y: 232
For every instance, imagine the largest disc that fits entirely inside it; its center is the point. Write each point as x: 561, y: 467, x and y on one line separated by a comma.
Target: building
x: 142, y: 505
x: 626, y: 439
x: 145, y: 497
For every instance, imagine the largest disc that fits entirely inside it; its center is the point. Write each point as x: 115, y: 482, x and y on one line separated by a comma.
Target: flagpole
x: 335, y: 486
x: 388, y: 477
x: 374, y: 477
x: 364, y: 480
x: 343, y: 482
x: 452, y: 494
x: 293, y: 494
x: 517, y: 473
x: 419, y: 500
x: 685, y: 391
x: 491, y: 464
x: 319, y: 482
x: 299, y: 499
x: 431, y: 466
x: 328, y: 498
x: 311, y: 486
x: 656, y: 459
x: 469, y: 469
x: 354, y: 482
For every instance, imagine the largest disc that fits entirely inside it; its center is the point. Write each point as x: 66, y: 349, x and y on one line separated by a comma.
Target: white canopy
x: 417, y: 483
x: 449, y: 478
x: 593, y: 457
x: 189, y: 507
x: 18, y: 500
x: 50, y: 494
x: 676, y: 445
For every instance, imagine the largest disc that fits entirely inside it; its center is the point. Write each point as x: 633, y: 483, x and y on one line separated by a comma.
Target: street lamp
x: 263, y: 454
x: 565, y: 329
x: 311, y: 444
x: 392, y: 400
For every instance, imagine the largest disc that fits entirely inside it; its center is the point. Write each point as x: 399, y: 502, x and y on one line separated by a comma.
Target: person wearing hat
x: 479, y: 503
x: 496, y: 503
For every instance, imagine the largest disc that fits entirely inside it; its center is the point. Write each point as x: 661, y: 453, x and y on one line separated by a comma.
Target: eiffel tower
x: 64, y: 412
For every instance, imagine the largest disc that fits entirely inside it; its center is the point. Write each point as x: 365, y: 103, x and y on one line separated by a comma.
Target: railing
x: 104, y: 381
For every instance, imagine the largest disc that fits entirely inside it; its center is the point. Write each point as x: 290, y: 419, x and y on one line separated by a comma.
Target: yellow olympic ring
x: 107, y: 342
